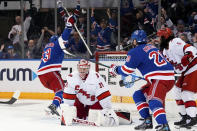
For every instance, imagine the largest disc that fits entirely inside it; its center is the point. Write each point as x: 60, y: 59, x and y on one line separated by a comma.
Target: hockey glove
x: 187, y: 58
x: 77, y: 10
x: 112, y: 70
x: 70, y: 21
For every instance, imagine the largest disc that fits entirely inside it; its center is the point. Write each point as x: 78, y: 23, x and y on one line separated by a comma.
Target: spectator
x: 195, y: 40
x: 191, y: 19
x: 49, y: 31
x: 82, y: 26
x: 34, y: 50
x: 112, y: 15
x: 104, y: 33
x: 181, y: 29
x: 165, y: 20
x: 16, y: 32
x: 184, y: 38
x: 194, y: 27
x: 1, y: 51
x: 128, y: 19
x: 11, y: 54
x: 144, y: 21
x: 76, y: 44
x: 29, y: 52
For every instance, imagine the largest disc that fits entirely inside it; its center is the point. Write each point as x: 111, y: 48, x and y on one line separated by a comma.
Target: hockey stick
x: 79, y: 33
x: 13, y: 99
x: 80, y: 121
x: 84, y: 122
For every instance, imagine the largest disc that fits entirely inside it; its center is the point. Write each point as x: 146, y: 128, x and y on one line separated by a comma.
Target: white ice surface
x: 29, y: 115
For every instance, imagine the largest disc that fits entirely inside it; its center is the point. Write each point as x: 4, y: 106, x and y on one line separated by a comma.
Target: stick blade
x: 13, y: 99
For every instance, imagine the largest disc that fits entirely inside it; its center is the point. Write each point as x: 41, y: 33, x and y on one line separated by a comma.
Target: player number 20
x: 156, y: 56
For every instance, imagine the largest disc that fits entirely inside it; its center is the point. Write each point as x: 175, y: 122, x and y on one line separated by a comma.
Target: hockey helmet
x: 83, y: 67
x: 166, y: 32
x: 139, y: 35
x: 53, y: 38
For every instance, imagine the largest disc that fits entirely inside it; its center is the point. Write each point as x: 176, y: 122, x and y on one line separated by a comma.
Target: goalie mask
x: 83, y: 68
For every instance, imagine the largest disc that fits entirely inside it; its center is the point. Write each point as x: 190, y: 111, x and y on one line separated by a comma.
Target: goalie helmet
x: 83, y: 68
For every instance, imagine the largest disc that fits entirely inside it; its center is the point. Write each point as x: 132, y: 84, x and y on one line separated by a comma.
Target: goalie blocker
x: 105, y: 117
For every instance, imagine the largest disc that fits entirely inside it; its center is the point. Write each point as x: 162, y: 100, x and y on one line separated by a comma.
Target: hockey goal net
x: 120, y: 93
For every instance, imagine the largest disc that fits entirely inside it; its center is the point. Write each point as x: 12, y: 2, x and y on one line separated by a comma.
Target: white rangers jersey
x: 90, y: 91
x: 176, y: 51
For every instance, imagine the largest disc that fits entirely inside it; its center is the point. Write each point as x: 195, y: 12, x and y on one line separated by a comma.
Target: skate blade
x: 193, y: 128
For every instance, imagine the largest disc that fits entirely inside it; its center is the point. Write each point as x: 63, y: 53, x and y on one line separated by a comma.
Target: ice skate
x: 192, y: 122
x: 182, y: 121
x: 163, y: 127
x: 52, y: 109
x: 147, y: 124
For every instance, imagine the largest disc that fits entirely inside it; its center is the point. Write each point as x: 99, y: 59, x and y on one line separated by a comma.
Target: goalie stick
x: 79, y: 121
x: 13, y: 99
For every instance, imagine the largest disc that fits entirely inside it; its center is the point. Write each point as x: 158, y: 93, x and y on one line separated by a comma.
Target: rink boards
x: 22, y: 75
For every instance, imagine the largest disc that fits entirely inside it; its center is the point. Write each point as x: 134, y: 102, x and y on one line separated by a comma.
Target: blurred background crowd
x: 99, y: 26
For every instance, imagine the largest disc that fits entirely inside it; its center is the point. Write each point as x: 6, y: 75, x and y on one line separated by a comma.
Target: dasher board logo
x: 17, y: 74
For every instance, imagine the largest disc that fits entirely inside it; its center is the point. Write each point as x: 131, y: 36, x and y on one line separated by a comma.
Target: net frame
x: 97, y: 54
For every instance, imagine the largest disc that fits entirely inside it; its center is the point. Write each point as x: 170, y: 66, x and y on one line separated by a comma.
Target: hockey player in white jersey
x: 184, y: 59
x: 85, y: 89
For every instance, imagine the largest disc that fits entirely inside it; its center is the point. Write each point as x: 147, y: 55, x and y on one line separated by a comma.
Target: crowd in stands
x: 179, y: 15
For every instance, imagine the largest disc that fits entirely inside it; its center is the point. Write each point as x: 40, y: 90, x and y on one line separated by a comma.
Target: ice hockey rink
x: 29, y: 115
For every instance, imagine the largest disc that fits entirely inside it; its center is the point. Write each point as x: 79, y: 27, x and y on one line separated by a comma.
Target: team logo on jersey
x: 128, y: 58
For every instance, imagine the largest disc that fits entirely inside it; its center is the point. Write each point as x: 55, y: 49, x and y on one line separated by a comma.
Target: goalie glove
x: 187, y: 58
x: 112, y: 70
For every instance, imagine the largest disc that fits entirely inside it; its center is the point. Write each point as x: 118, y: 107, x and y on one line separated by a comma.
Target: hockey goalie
x: 87, y: 97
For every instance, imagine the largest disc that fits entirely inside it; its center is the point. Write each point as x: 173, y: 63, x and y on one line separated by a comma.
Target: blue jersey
x: 104, y: 36
x: 149, y: 61
x: 53, y: 55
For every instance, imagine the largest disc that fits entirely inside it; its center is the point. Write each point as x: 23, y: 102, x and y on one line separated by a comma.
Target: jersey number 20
x: 156, y: 55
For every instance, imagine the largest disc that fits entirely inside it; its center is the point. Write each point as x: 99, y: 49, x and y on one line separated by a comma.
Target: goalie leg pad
x: 68, y: 114
x: 124, y: 117
x: 105, y: 117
